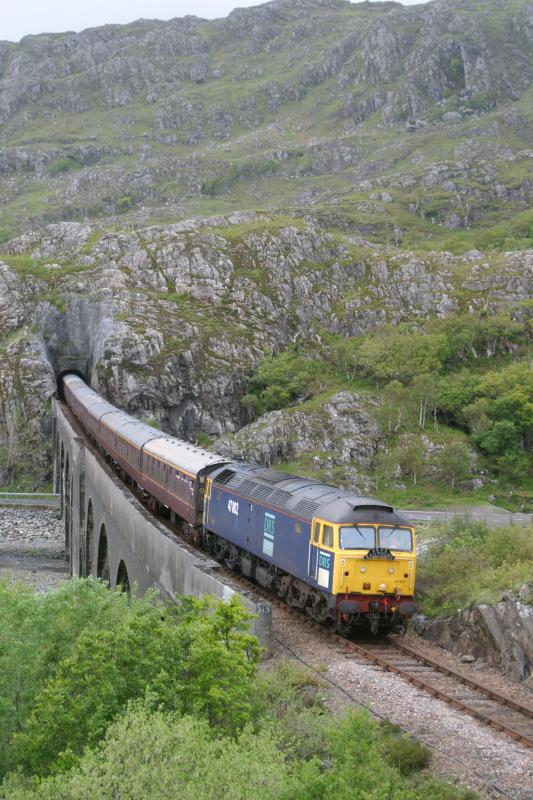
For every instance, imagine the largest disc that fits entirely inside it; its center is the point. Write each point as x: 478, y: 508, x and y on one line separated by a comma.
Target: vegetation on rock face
x: 340, y: 110
x: 453, y: 396
x: 101, y: 697
x: 379, y: 141
x: 472, y: 563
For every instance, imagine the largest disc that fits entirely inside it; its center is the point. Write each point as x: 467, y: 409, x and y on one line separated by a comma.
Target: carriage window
x: 316, y: 532
x: 395, y: 539
x: 327, y: 537
x: 357, y: 537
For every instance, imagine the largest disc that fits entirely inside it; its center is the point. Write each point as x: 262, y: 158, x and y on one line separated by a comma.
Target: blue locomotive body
x: 269, y: 533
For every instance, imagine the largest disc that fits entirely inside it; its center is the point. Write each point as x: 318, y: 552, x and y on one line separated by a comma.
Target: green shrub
x: 63, y: 165
x: 86, y: 652
x: 125, y: 203
x: 282, y: 379
x: 213, y: 186
x: 401, y: 751
x: 5, y: 235
x: 148, y: 701
x: 473, y: 563
x: 148, y: 753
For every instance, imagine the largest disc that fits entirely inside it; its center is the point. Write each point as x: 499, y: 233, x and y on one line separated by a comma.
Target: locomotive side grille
x: 306, y: 508
x: 261, y: 492
x: 280, y: 498
x: 225, y: 476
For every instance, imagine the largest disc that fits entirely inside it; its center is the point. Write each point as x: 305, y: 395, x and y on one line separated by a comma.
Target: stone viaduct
x: 110, y: 535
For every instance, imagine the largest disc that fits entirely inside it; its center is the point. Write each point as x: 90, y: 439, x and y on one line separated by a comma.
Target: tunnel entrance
x: 102, y: 566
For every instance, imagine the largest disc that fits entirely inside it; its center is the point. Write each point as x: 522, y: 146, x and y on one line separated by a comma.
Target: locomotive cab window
x: 327, y: 536
x: 357, y: 537
x: 316, y: 532
x: 395, y: 539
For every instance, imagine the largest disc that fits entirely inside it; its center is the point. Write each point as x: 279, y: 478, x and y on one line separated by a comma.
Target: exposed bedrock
x: 339, y: 438
x: 501, y: 634
x: 171, y: 321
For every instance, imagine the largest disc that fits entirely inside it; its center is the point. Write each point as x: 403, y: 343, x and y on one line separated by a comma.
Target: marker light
x: 363, y: 569
x: 391, y: 570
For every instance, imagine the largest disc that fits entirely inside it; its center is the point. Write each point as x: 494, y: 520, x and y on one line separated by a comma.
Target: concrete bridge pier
x: 110, y: 535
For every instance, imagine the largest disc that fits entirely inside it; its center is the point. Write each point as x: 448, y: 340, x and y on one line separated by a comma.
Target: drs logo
x: 270, y: 524
x: 324, y: 560
x: 233, y: 507
x: 324, y: 569
x: 269, y: 532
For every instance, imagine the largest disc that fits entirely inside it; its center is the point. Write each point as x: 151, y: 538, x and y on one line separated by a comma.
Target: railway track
x: 500, y: 712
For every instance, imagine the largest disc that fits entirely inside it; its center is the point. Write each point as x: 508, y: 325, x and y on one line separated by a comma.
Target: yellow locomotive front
x: 373, y: 576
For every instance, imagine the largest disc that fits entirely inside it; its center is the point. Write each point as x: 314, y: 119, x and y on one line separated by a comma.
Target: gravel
x: 463, y: 749
x: 32, y: 547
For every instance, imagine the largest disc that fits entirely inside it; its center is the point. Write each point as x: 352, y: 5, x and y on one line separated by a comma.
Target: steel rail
x: 492, y: 694
x: 420, y: 683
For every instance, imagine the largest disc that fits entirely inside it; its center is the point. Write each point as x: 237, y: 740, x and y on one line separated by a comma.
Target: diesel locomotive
x: 345, y: 560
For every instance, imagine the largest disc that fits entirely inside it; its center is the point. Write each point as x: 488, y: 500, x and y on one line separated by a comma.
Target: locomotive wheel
x: 318, y: 609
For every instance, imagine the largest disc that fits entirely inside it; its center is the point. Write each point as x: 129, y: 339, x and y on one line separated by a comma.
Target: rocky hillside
x: 299, y: 234
x: 170, y: 322
x: 403, y: 124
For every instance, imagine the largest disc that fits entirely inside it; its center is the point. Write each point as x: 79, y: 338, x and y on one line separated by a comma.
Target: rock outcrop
x: 339, y: 439
x: 500, y: 634
x: 159, y: 117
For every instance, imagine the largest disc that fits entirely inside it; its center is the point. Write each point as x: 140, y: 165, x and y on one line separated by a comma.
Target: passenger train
x: 345, y: 560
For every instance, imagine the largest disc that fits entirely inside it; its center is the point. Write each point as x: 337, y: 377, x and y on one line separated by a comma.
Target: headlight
x: 382, y: 587
x: 363, y: 569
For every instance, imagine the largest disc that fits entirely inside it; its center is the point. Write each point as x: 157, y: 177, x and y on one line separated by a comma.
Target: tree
x: 503, y: 438
x: 195, y: 657
x: 395, y: 406
x: 401, y: 354
x: 454, y: 463
x: 36, y: 633
x: 424, y: 392
x: 149, y: 753
x: 411, y: 457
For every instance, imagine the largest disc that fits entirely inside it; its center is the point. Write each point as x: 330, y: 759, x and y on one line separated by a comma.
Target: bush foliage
x: 105, y: 697
x: 473, y: 563
x: 468, y: 376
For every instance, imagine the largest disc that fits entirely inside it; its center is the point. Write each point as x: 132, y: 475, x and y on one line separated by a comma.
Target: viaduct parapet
x: 110, y: 535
